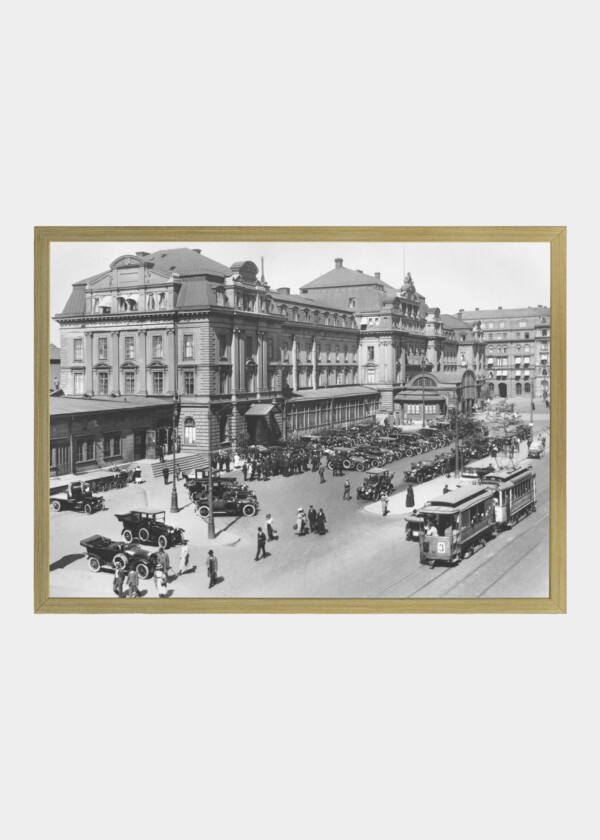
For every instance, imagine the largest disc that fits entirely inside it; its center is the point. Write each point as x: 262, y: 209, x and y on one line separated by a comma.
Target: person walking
x: 212, y: 567
x: 133, y: 582
x: 322, y: 474
x: 312, y: 519
x: 245, y: 470
x: 184, y: 558
x: 384, y: 503
x: 160, y: 580
x: 118, y: 582
x: 261, y: 541
x: 161, y: 453
x: 271, y: 532
x: 300, y: 522
x: 410, y: 497
x: 321, y: 522
x: 163, y: 558
x: 347, y: 495
x: 166, y: 474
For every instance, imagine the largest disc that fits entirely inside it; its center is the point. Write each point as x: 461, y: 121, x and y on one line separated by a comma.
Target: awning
x: 259, y: 410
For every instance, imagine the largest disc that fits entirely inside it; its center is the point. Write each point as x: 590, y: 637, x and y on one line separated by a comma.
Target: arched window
x: 151, y: 304
x: 519, y: 389
x: 526, y: 349
x: 162, y: 301
x: 189, y: 431
x: 527, y: 388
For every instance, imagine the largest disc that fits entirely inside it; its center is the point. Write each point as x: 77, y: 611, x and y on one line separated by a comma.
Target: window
x: 518, y: 389
x: 351, y: 303
x: 112, y: 445
x: 151, y: 303
x: 78, y: 349
x: 544, y: 332
x: 340, y: 377
x: 502, y: 325
x: 370, y: 353
x: 59, y: 453
x: 129, y: 382
x: 103, y: 382
x: 269, y: 349
x: 157, y: 346
x: 370, y: 375
x: 157, y: 381
x: 129, y: 347
x: 526, y: 361
x: 527, y: 388
x: 345, y: 352
x: 518, y: 335
x: 222, y: 346
x: 285, y: 352
x: 337, y: 352
x: 308, y: 350
x: 522, y: 323
x: 103, y: 348
x: 248, y: 346
x: 329, y: 352
x: 526, y: 335
x: 189, y: 431
x: 78, y: 382
x: 223, y: 382
x: 162, y: 301
x: 85, y: 449
x: 188, y: 382
x: 188, y: 346
x: 526, y: 348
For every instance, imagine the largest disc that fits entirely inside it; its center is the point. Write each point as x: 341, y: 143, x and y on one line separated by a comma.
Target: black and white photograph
x: 299, y: 420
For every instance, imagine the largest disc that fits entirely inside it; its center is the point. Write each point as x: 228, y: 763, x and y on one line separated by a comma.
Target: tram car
x: 456, y: 524
x: 514, y: 494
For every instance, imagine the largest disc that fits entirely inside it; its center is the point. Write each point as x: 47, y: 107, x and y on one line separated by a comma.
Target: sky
x: 451, y: 275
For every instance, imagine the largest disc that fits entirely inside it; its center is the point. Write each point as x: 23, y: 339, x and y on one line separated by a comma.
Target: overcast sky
x: 451, y: 275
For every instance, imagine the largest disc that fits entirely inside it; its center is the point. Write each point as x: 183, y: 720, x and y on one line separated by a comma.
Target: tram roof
x: 457, y: 498
x: 501, y: 476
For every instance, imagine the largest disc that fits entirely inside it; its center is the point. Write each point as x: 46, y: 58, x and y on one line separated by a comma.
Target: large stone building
x: 517, y: 343
x: 251, y: 362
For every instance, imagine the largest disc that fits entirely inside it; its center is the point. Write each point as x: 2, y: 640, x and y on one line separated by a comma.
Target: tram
x: 456, y: 524
x: 514, y: 494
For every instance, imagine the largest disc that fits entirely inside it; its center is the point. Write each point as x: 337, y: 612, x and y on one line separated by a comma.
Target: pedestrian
x: 544, y: 441
x: 184, y: 558
x: 160, y: 453
x: 312, y: 519
x: 245, y: 470
x: 163, y: 558
x: 300, y: 522
x: 532, y: 405
x: 321, y: 521
x: 258, y: 470
x: 322, y: 474
x: 271, y: 532
x: 118, y: 582
x: 212, y: 567
x: 133, y: 582
x: 410, y: 497
x: 384, y: 503
x: 347, y: 495
x: 446, y: 489
x: 261, y: 541
x: 137, y: 475
x: 166, y: 474
x: 160, y: 580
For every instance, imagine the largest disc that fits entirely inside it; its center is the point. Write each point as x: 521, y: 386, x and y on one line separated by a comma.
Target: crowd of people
x: 126, y: 581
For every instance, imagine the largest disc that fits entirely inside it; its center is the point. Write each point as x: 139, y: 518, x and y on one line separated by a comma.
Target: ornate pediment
x: 127, y: 261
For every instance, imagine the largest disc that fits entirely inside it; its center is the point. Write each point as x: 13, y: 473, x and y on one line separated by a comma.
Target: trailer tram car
x: 464, y: 521
x: 514, y: 495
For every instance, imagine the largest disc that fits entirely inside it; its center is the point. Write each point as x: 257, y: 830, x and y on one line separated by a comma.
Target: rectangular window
x: 526, y: 335
x: 129, y: 382
x: 112, y: 445
x: 188, y: 346
x: 269, y: 349
x: 59, y: 454
x: 129, y: 347
x: 85, y: 449
x: 157, y: 382
x: 223, y: 382
x: 345, y: 352
x: 78, y: 382
x: 188, y: 382
x: 522, y: 323
x: 526, y: 361
x: 222, y: 346
x: 370, y: 353
x: 285, y: 352
x: 157, y: 346
x: 103, y: 348
x: 370, y: 376
x: 78, y: 349
x: 103, y: 382
x: 248, y: 346
x: 329, y: 352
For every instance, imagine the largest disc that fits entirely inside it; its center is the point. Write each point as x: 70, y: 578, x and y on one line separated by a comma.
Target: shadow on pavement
x: 65, y: 561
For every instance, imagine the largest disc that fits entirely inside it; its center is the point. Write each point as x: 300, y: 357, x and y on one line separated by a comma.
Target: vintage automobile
x: 420, y: 472
x: 414, y: 527
x: 375, y: 482
x: 77, y: 496
x: 148, y: 526
x: 198, y: 483
x: 536, y: 449
x: 233, y: 502
x: 104, y: 553
x: 357, y: 461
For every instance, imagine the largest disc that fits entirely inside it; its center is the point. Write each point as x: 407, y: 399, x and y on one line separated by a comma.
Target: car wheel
x: 144, y: 534
x: 128, y: 536
x: 346, y: 464
x: 409, y: 453
x: 143, y: 571
x: 376, y: 496
x: 360, y: 467
x: 94, y: 563
x: 248, y: 510
x: 162, y: 541
x: 88, y: 508
x: 204, y: 510
x: 119, y: 561
x: 55, y: 505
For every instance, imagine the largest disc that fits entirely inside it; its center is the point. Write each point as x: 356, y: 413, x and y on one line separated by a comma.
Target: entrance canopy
x: 259, y: 410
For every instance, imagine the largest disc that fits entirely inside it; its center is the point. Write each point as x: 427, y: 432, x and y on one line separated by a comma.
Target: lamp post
x: 456, y: 450
x: 176, y: 410
x: 422, y: 365
x: 211, y: 514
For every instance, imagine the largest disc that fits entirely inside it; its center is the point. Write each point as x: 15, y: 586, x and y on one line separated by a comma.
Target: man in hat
x: 166, y: 474
x: 312, y: 519
x: 260, y: 544
x: 212, y: 567
x: 347, y: 495
x: 163, y: 558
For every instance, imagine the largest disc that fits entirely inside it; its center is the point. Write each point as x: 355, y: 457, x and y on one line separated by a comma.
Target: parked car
x: 148, y: 526
x: 536, y: 449
x: 375, y: 482
x: 77, y: 496
x: 198, y: 483
x: 238, y: 502
x: 104, y: 553
x: 420, y: 472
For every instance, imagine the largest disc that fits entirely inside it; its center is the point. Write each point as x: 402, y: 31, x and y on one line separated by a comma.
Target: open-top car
x: 375, y: 482
x: 420, y: 472
x: 148, y: 526
x: 104, y: 553
x: 77, y: 496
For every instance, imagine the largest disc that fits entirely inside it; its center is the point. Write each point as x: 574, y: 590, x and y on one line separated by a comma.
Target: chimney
x: 142, y: 253
x: 476, y: 309
x: 499, y: 307
x: 459, y: 315
x: 284, y: 290
x: 197, y: 250
x: 378, y: 275
x: 339, y: 262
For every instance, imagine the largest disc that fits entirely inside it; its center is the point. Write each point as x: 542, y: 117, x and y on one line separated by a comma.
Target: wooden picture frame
x: 554, y: 236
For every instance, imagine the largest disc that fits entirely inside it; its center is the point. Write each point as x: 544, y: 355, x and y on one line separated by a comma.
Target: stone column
x: 143, y: 381
x: 171, y: 362
x: 260, y: 348
x: 89, y: 362
x: 295, y: 364
x: 314, y: 363
x: 116, y: 378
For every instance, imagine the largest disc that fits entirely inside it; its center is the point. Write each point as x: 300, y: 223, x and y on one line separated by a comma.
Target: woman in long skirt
x: 321, y: 520
x: 160, y: 580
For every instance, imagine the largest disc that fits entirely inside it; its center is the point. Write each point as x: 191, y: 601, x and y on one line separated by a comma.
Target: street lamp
x: 456, y: 450
x: 176, y: 411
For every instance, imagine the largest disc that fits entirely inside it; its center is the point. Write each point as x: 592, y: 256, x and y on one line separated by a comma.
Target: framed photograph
x: 300, y: 420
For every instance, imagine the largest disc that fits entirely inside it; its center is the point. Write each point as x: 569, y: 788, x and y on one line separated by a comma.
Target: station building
x: 247, y: 362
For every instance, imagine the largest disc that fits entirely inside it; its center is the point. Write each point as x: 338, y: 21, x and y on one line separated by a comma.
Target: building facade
x: 517, y: 350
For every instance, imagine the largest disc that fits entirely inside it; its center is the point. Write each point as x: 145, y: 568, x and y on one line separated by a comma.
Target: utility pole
x: 456, y: 451
x: 423, y: 361
x: 211, y: 513
x: 176, y: 410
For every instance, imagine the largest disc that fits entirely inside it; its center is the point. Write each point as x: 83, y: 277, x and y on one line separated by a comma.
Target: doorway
x: 139, y: 444
x: 502, y: 389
